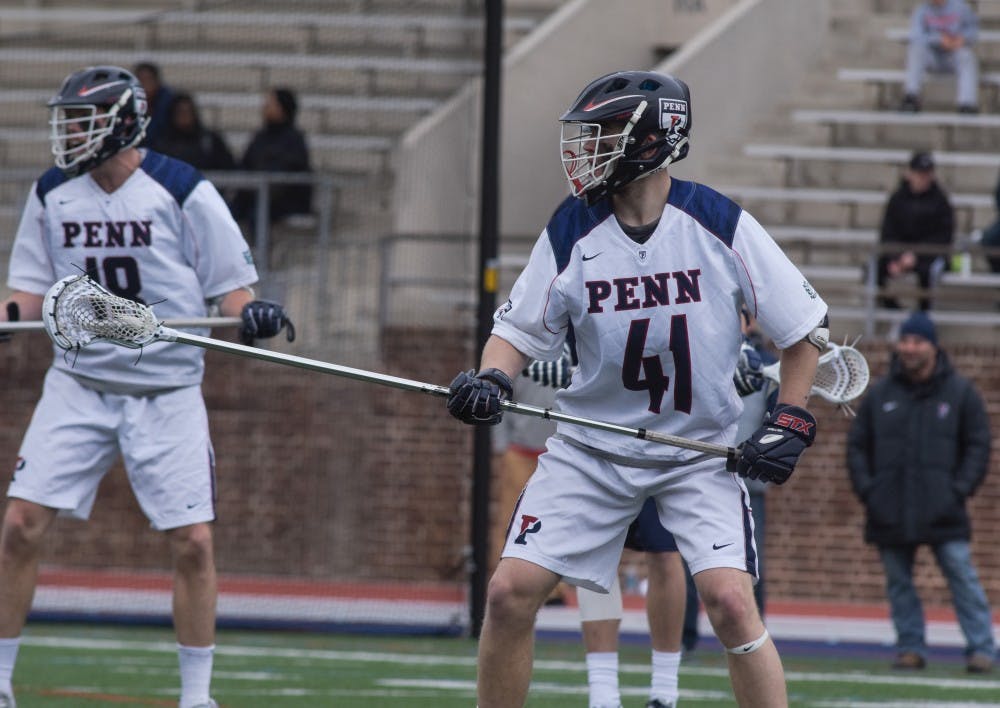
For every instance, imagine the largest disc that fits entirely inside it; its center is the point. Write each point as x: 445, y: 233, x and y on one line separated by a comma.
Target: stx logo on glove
x: 786, y: 420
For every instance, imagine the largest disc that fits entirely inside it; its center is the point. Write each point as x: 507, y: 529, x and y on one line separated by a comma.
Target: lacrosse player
x: 151, y: 229
x: 650, y: 273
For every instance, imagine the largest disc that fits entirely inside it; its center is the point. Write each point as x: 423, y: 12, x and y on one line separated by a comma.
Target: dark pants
x: 924, y: 269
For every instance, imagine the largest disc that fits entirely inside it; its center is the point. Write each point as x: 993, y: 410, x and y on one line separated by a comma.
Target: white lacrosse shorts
x: 576, y: 508
x: 75, y: 436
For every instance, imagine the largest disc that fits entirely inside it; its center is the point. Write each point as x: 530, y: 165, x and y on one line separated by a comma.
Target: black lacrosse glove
x: 770, y: 454
x: 13, y: 315
x: 475, y: 398
x: 263, y: 319
x: 749, y: 377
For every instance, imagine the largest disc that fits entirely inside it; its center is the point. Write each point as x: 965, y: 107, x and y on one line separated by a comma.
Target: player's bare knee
x: 732, y: 612
x: 192, y: 547
x: 24, y: 526
x: 511, y: 601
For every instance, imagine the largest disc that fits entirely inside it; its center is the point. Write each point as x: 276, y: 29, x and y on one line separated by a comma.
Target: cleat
x: 657, y: 703
x: 909, y: 661
x: 7, y: 700
x: 977, y: 664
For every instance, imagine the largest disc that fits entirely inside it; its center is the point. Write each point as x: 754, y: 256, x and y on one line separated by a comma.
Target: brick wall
x: 331, y: 478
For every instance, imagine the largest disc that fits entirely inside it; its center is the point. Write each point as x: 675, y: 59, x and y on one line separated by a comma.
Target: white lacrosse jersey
x: 656, y: 325
x: 165, y: 238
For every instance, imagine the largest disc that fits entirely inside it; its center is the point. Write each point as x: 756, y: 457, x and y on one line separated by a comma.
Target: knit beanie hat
x: 920, y: 325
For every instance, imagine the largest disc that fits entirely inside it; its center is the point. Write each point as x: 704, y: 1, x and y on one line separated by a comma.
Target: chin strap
x: 750, y: 647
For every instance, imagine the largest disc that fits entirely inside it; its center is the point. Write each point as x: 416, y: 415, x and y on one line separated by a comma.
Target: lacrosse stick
x: 77, y: 311
x: 841, y: 374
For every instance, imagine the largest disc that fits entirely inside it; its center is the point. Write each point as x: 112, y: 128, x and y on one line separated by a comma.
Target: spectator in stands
x: 158, y: 97
x: 942, y: 35
x: 187, y: 139
x: 279, y: 146
x: 918, y: 448
x: 991, y: 235
x: 917, y: 214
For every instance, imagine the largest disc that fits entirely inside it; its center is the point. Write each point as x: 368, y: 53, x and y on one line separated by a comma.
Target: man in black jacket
x: 917, y: 214
x: 917, y: 450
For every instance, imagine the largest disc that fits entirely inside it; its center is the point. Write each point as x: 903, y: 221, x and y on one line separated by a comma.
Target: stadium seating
x: 364, y: 70
x: 840, y: 147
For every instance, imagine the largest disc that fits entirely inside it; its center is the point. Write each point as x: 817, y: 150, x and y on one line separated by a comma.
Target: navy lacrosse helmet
x: 98, y: 112
x: 605, y: 139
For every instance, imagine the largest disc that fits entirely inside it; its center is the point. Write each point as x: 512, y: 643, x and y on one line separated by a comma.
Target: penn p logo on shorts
x: 529, y: 524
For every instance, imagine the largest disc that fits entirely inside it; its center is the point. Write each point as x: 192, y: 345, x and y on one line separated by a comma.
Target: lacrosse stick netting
x: 77, y: 314
x: 842, y: 374
x: 77, y: 311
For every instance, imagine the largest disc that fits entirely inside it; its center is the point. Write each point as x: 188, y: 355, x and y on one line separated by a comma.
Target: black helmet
x: 646, y: 104
x: 98, y: 112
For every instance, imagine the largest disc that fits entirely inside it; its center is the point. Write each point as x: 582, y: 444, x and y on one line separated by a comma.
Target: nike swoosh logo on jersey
x: 716, y: 546
x: 588, y: 258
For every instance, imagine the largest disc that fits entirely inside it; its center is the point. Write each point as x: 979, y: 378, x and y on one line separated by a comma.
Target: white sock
x: 665, y: 666
x: 196, y: 674
x: 8, y: 657
x: 602, y: 676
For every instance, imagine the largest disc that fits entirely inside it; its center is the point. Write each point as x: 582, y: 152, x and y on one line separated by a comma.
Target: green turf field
x: 97, y: 665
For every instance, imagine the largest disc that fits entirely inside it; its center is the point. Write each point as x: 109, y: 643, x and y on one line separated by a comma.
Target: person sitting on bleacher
x: 942, y: 34
x: 991, y: 236
x: 917, y: 213
x: 187, y: 138
x: 278, y: 146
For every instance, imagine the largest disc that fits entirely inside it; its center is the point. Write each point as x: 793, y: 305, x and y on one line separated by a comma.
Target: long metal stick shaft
x: 33, y: 325
x: 731, y: 454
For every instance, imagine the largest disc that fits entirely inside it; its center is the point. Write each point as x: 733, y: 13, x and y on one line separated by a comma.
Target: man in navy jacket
x: 917, y: 450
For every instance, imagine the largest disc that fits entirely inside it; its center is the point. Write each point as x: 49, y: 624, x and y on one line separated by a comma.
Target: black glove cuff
x: 500, y: 379
x: 795, y: 419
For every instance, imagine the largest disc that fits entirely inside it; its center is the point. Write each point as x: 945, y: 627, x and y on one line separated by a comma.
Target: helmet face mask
x: 98, y: 112
x: 590, y: 152
x: 623, y: 127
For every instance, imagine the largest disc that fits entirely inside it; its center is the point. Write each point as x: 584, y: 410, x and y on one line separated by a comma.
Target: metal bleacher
x: 364, y: 70
x: 838, y: 153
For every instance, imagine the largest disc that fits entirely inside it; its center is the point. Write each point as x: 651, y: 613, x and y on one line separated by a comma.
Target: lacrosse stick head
x: 77, y: 311
x: 842, y: 374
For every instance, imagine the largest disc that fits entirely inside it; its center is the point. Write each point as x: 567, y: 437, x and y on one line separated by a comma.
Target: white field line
x: 324, y: 655
x: 562, y: 689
